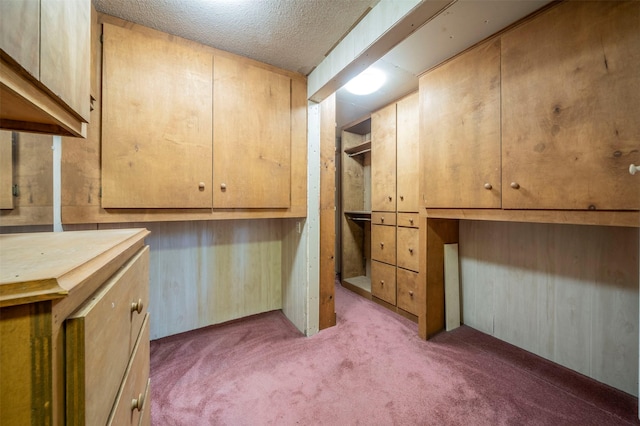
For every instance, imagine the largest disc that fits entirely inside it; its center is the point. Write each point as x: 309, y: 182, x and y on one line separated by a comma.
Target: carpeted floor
x: 370, y: 369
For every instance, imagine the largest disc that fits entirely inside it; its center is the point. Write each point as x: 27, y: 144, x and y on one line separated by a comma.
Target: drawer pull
x: 411, y: 293
x: 402, y: 198
x: 411, y: 250
x: 382, y: 219
x: 137, y: 306
x: 390, y: 198
x: 201, y: 186
x: 487, y: 186
x: 381, y: 282
x: 515, y: 185
x: 136, y: 404
x: 633, y: 169
x: 411, y: 221
x: 381, y: 245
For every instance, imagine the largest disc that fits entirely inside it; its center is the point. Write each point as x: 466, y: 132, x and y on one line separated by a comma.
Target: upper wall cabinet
x: 251, y: 136
x: 44, y: 66
x: 571, y: 110
x: 460, y: 131
x: 408, y: 162
x: 383, y: 159
x: 156, y: 122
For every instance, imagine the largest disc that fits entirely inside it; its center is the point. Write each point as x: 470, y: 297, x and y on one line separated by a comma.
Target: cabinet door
x: 570, y: 110
x: 383, y: 159
x: 251, y: 136
x: 20, y: 33
x: 65, y: 51
x: 408, y: 256
x: 460, y: 131
x: 383, y: 282
x: 6, y: 170
x: 383, y: 243
x: 156, y: 122
x: 407, y: 152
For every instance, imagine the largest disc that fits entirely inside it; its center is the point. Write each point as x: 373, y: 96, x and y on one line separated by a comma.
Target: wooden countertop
x: 50, y: 265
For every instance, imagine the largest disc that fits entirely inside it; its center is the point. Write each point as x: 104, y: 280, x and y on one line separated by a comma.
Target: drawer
x: 409, y: 220
x: 409, y: 291
x: 100, y: 337
x: 383, y: 282
x: 383, y: 218
x: 383, y: 243
x: 132, y: 399
x: 408, y: 248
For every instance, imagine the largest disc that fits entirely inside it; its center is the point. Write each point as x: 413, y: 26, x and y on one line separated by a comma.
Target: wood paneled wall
x: 568, y: 293
x: 208, y: 272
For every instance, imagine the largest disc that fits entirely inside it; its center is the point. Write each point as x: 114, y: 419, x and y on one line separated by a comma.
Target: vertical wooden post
x: 434, y: 234
x: 327, y: 311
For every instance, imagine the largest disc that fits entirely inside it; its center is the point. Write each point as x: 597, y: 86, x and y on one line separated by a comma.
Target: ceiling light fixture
x: 367, y: 82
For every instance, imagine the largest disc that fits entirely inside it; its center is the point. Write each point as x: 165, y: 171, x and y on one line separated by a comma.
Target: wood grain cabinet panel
x: 156, y: 122
x: 407, y: 142
x: 408, y: 247
x: 65, y: 52
x: 383, y: 218
x: 383, y: 159
x: 20, y: 33
x: 410, y: 291
x: 6, y: 170
x: 383, y: 243
x: 460, y: 131
x: 251, y: 136
x: 570, y: 109
x: 383, y: 282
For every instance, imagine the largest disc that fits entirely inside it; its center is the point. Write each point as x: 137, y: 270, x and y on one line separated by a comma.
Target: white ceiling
x: 297, y: 34
x: 291, y: 34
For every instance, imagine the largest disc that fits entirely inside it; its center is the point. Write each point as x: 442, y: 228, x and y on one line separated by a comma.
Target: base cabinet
x: 74, y: 328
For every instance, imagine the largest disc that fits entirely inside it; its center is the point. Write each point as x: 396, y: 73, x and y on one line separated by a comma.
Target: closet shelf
x: 358, y: 215
x: 358, y: 149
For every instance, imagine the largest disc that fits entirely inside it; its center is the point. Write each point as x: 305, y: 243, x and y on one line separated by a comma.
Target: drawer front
x: 132, y: 399
x: 408, y: 220
x: 383, y: 282
x: 383, y: 218
x: 408, y: 252
x: 410, y: 292
x: 99, y: 341
x: 383, y: 243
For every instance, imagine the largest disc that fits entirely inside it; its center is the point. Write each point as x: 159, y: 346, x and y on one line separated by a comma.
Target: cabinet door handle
x: 381, y: 245
x: 136, y: 404
x: 402, y: 198
x: 381, y: 282
x: 390, y: 198
x: 201, y: 186
x: 137, y: 306
x: 223, y: 186
x: 515, y: 185
x: 410, y: 250
x: 410, y: 293
x: 633, y: 169
x: 487, y: 186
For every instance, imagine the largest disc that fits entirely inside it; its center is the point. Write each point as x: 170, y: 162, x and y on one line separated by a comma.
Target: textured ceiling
x: 291, y: 34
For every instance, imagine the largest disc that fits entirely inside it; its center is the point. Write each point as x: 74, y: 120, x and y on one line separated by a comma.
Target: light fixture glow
x: 367, y: 82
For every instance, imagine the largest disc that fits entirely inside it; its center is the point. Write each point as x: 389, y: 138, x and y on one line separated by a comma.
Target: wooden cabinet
x: 26, y: 171
x: 73, y: 326
x: 383, y: 159
x: 97, y: 357
x: 383, y: 282
x: 251, y: 136
x: 460, y: 131
x: 224, y: 139
x: 156, y: 122
x: 44, y: 66
x: 539, y: 122
x: 570, y: 109
x: 408, y: 159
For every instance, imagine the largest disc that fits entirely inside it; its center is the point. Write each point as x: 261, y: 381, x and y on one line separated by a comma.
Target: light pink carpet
x: 371, y: 369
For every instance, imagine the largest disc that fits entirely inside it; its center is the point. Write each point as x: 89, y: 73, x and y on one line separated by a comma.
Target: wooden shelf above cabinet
x: 26, y: 106
x: 358, y: 149
x: 358, y: 216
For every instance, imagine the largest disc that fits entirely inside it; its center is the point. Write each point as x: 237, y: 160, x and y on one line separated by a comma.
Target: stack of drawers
x: 395, y: 258
x: 107, y: 351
